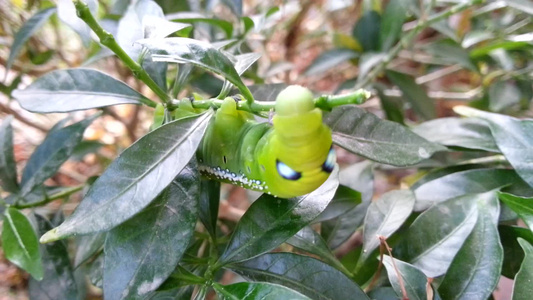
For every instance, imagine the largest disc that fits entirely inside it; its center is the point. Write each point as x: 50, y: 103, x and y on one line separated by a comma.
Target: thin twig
x: 383, y: 241
x: 21, y: 118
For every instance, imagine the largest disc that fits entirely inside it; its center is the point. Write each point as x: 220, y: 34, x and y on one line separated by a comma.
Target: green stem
x: 108, y: 40
x: 408, y: 39
x: 46, y: 200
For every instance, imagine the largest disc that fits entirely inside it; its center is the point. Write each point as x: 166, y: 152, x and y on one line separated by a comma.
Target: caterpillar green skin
x: 290, y: 158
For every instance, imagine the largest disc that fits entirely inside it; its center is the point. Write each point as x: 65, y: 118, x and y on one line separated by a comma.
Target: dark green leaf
x: 383, y: 141
x: 514, y: 137
x: 142, y: 252
x: 209, y: 203
x: 134, y: 179
x: 391, y: 23
x: 26, y: 31
x: 191, y: 17
x: 19, y: 243
x: 304, y: 274
x: 157, y: 71
x: 270, y: 221
x: 453, y: 53
x: 393, y: 107
x: 460, y: 132
x: 67, y: 13
x: 523, y: 5
x: 367, y: 29
x: 434, y: 238
x: 460, y: 183
x: 8, y: 166
x: 184, y: 50
x: 414, y: 93
x: 384, y: 217
x: 310, y: 241
x: 256, y: 291
x: 75, y: 89
x: 523, y: 288
x: 520, y: 205
x: 51, y: 154
x: 413, y: 279
x: 512, y: 252
x: 58, y: 281
x: 88, y: 245
x: 502, y: 95
x: 475, y: 270
x: 345, y: 199
x: 329, y: 60
x: 183, y: 293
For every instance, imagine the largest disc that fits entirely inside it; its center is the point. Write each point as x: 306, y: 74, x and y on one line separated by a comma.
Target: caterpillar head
x: 300, y: 157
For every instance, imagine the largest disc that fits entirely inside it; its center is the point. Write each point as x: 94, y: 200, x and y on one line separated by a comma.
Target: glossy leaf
x: 460, y: 183
x: 475, y: 270
x: 513, y: 254
x: 304, y: 274
x: 413, y: 279
x: 19, y: 243
x: 135, y: 178
x: 256, y: 291
x: 383, y: 141
x: 270, y: 221
x: 391, y: 23
x: 201, y: 54
x: 345, y: 199
x: 155, y: 27
x: 142, y: 252
x: 459, y: 132
x: 58, y: 280
x: 192, y: 17
x: 367, y: 29
x: 436, y: 236
x: 51, y: 154
x: 415, y: 94
x: 209, y: 203
x: 310, y: 241
x: 522, y: 288
x: 75, y: 89
x: 329, y: 60
x: 514, y: 137
x: 67, y: 13
x: 245, y: 61
x: 384, y: 217
x: 520, y: 205
x: 88, y: 245
x: 8, y: 166
x: 26, y: 31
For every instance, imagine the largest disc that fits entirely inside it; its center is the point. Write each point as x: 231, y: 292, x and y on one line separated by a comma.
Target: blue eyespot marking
x: 329, y: 164
x: 286, y: 171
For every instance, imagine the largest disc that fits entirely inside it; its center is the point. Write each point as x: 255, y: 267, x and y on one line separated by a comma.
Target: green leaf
x: 67, y: 13
x: 452, y: 53
x: 460, y: 132
x: 502, y: 95
x: 304, y: 274
x: 75, y: 89
x: 26, y: 31
x: 329, y: 60
x: 58, y: 280
x: 135, y: 178
x: 384, y: 217
x: 460, y: 183
x: 271, y: 221
x: 512, y: 252
x: 142, y: 252
x: 155, y: 27
x: 523, y: 5
x: 209, y: 203
x: 201, y: 54
x: 310, y: 241
x: 413, y: 279
x: 51, y: 154
x: 434, y: 238
x: 382, y: 141
x: 19, y: 243
x: 8, y: 166
x: 345, y: 199
x: 367, y: 29
x: 245, y: 61
x: 88, y: 245
x: 523, y: 288
x: 514, y: 137
x: 391, y: 23
x: 520, y: 205
x: 192, y: 17
x: 475, y: 270
x: 393, y: 107
x: 415, y: 94
x: 256, y: 291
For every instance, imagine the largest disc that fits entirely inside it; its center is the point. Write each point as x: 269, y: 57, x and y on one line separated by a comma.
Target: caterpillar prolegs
x: 289, y: 158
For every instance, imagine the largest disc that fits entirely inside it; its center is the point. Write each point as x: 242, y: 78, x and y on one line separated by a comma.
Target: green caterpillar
x: 292, y: 157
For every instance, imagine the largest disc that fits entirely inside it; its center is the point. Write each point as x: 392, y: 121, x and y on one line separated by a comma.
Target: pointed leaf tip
x: 50, y: 236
